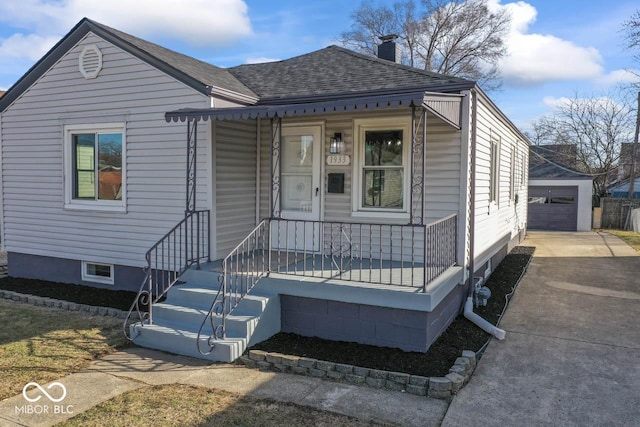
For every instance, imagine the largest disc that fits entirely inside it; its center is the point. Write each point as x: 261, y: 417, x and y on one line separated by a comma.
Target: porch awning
x: 445, y: 106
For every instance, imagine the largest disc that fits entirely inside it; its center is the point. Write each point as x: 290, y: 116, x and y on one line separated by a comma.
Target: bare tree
x: 596, y: 126
x: 454, y: 37
x: 631, y: 29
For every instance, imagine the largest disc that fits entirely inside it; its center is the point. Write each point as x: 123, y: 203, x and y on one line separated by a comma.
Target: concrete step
x: 190, y: 319
x: 183, y: 342
x: 202, y: 298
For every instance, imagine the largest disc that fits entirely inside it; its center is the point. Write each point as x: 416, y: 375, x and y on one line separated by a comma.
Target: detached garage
x: 560, y: 198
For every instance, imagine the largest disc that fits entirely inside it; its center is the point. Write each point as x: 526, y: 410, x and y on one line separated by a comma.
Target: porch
x: 382, y: 242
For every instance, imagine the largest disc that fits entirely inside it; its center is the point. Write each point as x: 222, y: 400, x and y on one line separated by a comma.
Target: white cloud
x: 605, y: 102
x: 619, y: 76
x: 260, y: 60
x: 539, y: 58
x: 198, y: 22
x: 31, y: 46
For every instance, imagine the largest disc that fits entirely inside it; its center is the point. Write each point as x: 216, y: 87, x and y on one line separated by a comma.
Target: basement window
x: 97, y: 272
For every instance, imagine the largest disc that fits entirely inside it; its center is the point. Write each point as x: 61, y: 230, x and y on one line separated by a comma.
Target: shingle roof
x: 336, y: 71
x: 208, y: 74
x: 554, y: 161
x: 547, y: 169
x: 199, y: 75
x: 332, y: 72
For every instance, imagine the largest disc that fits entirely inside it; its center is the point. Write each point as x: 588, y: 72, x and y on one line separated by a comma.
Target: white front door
x: 300, y: 187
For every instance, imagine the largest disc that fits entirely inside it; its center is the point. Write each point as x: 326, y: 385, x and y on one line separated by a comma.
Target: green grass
x: 632, y: 238
x: 44, y: 344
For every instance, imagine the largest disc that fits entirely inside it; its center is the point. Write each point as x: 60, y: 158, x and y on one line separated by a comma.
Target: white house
x: 330, y: 194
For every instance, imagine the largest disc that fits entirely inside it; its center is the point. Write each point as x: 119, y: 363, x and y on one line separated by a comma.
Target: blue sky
x: 559, y: 48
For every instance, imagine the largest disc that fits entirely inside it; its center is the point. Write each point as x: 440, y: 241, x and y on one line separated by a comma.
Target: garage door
x: 553, y: 208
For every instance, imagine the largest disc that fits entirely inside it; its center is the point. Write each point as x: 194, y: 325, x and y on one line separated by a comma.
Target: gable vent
x: 90, y: 62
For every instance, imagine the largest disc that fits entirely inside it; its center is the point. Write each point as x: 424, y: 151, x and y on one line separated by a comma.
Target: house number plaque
x: 338, y: 160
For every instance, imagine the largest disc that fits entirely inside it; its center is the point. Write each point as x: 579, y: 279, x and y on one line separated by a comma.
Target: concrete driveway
x: 572, y: 351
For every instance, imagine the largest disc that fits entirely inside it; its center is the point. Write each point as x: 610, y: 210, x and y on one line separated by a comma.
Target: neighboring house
x: 351, y: 197
x: 2, y: 92
x: 560, y: 197
x: 621, y: 189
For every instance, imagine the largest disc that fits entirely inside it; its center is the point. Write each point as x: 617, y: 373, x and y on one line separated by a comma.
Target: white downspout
x: 480, y: 322
x: 468, y: 305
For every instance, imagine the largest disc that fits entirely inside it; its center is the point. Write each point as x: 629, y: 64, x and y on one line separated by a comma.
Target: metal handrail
x: 245, y: 265
x: 186, y: 244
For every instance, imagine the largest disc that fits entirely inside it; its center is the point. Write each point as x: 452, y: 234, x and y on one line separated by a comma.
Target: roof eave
x: 230, y: 95
x: 454, y: 87
x: 77, y: 33
x: 46, y: 62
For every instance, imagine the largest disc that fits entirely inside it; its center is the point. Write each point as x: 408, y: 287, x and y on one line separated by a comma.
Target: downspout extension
x: 468, y: 306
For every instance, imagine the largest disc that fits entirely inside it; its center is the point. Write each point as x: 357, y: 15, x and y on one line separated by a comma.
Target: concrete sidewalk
x: 138, y: 367
x: 572, y: 351
x: 571, y: 357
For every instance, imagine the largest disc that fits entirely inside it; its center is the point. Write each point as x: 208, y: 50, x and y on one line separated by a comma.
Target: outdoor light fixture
x: 336, y: 145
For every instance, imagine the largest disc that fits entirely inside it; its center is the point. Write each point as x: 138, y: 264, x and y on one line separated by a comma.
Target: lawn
x: 632, y: 238
x: 44, y: 344
x: 183, y: 405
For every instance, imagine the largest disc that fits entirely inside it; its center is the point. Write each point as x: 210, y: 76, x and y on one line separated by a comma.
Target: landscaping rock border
x: 64, y: 305
x: 438, y: 387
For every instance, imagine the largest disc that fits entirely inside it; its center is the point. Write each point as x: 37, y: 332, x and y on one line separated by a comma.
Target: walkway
x: 571, y: 356
x: 572, y: 352
x: 138, y: 367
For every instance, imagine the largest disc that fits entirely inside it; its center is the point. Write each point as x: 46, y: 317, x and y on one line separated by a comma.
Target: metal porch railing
x: 401, y: 255
x: 241, y: 269
x: 187, y: 243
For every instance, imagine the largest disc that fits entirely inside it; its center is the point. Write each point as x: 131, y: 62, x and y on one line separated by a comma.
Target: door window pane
x: 562, y: 200
x: 297, y: 173
x: 537, y: 200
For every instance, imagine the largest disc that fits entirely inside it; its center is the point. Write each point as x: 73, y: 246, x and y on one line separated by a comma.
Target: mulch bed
x: 461, y: 335
x: 78, y: 294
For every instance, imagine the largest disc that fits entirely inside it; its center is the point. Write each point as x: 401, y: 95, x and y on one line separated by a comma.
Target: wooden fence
x: 616, y: 211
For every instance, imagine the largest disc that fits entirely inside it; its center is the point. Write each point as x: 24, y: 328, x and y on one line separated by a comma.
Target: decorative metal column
x: 192, y: 143
x: 276, y: 137
x: 418, y: 164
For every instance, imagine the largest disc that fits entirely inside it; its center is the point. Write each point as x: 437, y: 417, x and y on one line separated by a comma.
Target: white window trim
x: 93, y: 205
x: 97, y: 279
x: 359, y: 127
x: 494, y: 184
x: 512, y: 175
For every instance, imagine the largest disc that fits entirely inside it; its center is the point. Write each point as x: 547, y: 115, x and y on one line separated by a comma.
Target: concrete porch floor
x: 365, y: 270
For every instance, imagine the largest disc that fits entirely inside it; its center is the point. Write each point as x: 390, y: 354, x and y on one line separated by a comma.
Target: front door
x: 300, y: 163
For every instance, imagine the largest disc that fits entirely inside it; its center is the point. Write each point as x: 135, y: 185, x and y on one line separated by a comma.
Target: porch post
x: 276, y: 137
x: 418, y: 166
x: 192, y: 142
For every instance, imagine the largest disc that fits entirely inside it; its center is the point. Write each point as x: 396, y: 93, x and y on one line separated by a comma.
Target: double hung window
x: 95, y: 166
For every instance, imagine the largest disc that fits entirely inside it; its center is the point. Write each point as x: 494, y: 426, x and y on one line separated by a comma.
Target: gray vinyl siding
x: 127, y: 90
x: 235, y: 144
x: 442, y: 188
x: 494, y: 221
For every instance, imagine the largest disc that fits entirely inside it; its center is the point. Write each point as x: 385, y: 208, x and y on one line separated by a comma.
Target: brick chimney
x: 389, y: 49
